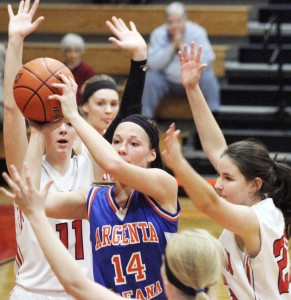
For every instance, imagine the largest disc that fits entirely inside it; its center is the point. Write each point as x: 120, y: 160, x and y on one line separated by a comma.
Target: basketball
x: 32, y: 86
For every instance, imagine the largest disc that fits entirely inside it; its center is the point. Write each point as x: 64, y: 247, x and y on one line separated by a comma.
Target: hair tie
x: 205, y: 290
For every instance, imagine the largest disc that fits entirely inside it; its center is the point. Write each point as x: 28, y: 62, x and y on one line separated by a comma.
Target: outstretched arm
x: 211, y: 136
x: 14, y: 128
x: 131, y: 41
x: 32, y: 203
x: 230, y: 216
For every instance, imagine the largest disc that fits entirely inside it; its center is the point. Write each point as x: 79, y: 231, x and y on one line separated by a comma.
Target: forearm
x: 101, y: 151
x: 14, y: 127
x: 200, y: 192
x: 132, y: 96
x: 33, y: 156
x: 211, y: 136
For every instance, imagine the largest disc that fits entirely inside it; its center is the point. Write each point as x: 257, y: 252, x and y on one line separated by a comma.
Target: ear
x: 152, y: 156
x: 256, y: 184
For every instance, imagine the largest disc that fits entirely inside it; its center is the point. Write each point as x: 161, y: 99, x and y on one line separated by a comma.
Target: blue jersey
x: 128, y: 244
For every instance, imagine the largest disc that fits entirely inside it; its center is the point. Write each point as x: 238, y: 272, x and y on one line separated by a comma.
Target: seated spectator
x: 73, y: 47
x: 164, y: 76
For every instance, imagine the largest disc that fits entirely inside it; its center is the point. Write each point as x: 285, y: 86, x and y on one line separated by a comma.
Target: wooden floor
x: 190, y: 218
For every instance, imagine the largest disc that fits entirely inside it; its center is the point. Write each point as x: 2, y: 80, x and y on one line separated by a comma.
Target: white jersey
x: 265, y: 277
x: 32, y: 271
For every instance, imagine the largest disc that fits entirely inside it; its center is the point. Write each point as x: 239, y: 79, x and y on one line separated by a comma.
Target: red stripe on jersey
x: 110, y: 200
x: 160, y: 212
x: 91, y: 201
x: 18, y: 257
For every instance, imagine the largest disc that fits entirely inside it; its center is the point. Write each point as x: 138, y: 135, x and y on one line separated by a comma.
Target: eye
x: 115, y: 142
x: 134, y: 144
x: 69, y: 124
x: 114, y: 104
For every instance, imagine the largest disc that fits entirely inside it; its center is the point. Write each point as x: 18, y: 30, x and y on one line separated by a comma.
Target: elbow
x: 73, y: 286
x: 114, y: 168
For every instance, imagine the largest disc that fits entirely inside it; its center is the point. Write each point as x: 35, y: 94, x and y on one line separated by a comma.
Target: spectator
x: 164, y: 75
x: 73, y: 47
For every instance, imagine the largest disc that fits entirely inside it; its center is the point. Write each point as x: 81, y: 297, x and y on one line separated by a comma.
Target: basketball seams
x: 32, y: 87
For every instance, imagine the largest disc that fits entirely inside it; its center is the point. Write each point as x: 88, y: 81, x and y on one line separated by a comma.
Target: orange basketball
x: 32, y: 86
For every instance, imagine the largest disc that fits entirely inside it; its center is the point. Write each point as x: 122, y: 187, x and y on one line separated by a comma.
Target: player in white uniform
x: 34, y: 278
x: 252, y: 199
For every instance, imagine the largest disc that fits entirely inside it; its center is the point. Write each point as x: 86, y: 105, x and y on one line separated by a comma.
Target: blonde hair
x: 195, y: 258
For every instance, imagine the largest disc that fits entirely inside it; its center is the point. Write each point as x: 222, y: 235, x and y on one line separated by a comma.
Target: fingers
x: 37, y: 22
x: 185, y: 52
x: 26, y: 6
x: 6, y: 193
x: 132, y: 26
x: 10, y: 11
x: 11, y: 184
x: 33, y: 7
x: 20, y: 7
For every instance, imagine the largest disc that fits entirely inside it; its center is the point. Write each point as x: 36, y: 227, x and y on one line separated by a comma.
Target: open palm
x: 21, y: 23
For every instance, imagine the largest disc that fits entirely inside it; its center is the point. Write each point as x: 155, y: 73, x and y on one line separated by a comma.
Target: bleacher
x: 249, y: 90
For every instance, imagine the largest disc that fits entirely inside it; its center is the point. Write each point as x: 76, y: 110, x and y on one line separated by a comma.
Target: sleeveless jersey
x: 32, y: 271
x: 267, y: 275
x: 128, y: 244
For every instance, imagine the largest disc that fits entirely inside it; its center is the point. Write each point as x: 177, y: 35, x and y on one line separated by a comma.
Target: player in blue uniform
x: 141, y: 208
x: 128, y: 243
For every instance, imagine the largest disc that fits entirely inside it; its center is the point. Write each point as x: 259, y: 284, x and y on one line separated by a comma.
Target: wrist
x: 35, y: 216
x: 15, y: 39
x: 139, y: 54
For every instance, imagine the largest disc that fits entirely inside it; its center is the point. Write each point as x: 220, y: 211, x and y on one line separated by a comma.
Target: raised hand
x: 190, y: 65
x: 21, y: 24
x: 68, y: 97
x: 127, y: 39
x: 172, y: 151
x: 23, y: 192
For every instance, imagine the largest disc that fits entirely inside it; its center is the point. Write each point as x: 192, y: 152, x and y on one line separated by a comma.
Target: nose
x: 63, y: 128
x: 122, y: 149
x: 108, y: 109
x: 218, y: 184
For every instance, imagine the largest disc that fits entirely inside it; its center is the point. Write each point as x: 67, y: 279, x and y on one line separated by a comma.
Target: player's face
x: 231, y: 184
x: 133, y: 144
x: 72, y: 56
x: 101, y: 108
x: 175, y: 24
x: 61, y: 140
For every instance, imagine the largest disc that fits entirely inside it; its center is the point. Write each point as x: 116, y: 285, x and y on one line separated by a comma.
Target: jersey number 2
x: 62, y: 228
x: 281, y: 252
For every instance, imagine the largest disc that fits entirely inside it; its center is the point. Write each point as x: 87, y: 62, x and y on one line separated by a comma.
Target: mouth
x: 62, y: 141
x: 107, y: 121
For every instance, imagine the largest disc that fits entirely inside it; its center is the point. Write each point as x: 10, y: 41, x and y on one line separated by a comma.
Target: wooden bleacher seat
x: 98, y: 55
x: 218, y: 20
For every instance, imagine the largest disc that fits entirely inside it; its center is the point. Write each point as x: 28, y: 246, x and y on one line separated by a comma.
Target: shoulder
x: 160, y: 31
x: 194, y: 26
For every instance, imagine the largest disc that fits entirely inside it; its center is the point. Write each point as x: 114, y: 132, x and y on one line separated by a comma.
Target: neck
x: 121, y: 194
x: 60, y: 163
